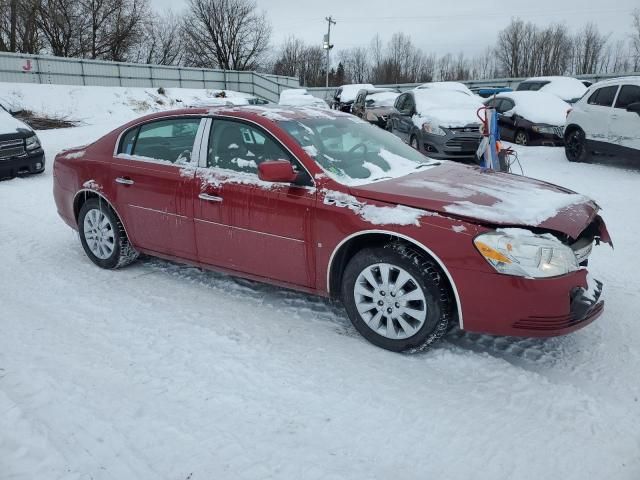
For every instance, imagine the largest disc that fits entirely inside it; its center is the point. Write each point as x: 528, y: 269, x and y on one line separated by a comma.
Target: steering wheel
x: 359, y: 145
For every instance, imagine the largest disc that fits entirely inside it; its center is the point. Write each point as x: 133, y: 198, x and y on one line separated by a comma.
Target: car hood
x: 487, y: 197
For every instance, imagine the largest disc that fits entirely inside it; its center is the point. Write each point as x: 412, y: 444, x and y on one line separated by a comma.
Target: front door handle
x: 209, y: 198
x: 124, y: 181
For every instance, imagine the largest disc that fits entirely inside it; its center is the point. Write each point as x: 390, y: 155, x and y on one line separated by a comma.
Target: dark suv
x: 375, y: 105
x: 20, y: 149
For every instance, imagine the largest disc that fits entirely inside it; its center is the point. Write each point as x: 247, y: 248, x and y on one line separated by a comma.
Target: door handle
x: 209, y: 198
x: 124, y: 181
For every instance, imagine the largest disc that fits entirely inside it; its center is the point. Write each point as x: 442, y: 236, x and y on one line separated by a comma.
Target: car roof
x: 632, y: 79
x: 270, y: 112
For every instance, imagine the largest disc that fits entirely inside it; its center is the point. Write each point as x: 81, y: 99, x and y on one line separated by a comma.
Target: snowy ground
x: 161, y: 371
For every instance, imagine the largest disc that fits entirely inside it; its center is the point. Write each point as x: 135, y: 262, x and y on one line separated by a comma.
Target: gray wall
x: 22, y: 68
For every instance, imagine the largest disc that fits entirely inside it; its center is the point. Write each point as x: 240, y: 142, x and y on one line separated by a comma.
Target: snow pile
x: 566, y: 88
x: 95, y: 105
x: 539, y: 107
x: 516, y: 204
x: 445, y: 108
x: 299, y: 97
x: 455, y: 86
x: 8, y: 124
x: 350, y: 92
x: 382, y: 99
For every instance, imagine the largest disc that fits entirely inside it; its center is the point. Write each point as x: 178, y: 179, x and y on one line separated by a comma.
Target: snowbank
x: 445, y: 108
x: 539, y: 107
x: 95, y: 105
x: 566, y: 88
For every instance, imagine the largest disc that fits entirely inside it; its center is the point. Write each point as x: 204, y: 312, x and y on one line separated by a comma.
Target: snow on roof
x: 219, y: 102
x: 445, y: 108
x: 383, y: 98
x: 295, y: 92
x: 539, y: 107
x: 350, y: 92
x: 567, y: 88
x: 300, y: 98
x: 457, y: 86
x: 9, y: 124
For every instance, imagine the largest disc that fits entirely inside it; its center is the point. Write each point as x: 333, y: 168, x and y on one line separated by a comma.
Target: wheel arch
x: 85, y: 194
x: 366, y: 238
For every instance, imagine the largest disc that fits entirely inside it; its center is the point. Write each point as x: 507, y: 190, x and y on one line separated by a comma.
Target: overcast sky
x: 440, y: 27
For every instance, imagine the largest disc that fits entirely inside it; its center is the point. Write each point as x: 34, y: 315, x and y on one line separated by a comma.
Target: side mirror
x: 634, y: 107
x: 277, y: 171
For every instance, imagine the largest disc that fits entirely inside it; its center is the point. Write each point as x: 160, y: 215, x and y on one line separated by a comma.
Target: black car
x: 20, y: 149
x: 530, y: 118
x: 345, y: 95
x: 375, y: 105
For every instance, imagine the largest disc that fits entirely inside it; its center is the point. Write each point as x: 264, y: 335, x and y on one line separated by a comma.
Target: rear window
x: 603, y: 96
x: 628, y: 94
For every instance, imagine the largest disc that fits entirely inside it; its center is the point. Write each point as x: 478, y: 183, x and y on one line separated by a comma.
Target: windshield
x: 354, y: 152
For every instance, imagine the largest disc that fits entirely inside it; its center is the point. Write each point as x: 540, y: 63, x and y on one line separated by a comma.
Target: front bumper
x: 33, y: 162
x: 546, y: 139
x: 450, y: 146
x: 521, y: 307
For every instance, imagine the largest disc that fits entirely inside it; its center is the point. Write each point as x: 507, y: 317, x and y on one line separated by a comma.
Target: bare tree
x: 63, y: 24
x: 356, y: 64
x: 635, y: 39
x: 228, y: 34
x: 312, y: 71
x: 18, y: 29
x: 161, y: 43
x: 588, y: 47
x: 289, y: 60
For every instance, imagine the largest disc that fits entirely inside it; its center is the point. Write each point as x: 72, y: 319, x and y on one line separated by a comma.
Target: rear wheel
x: 522, y: 138
x: 575, y: 147
x: 396, y: 298
x: 103, y: 237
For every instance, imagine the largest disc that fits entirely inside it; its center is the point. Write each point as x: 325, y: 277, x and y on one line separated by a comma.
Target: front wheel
x: 575, y: 147
x: 103, y: 237
x: 396, y: 298
x: 522, y: 138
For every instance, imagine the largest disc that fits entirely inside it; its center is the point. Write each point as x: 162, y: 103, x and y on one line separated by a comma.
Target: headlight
x: 32, y: 142
x: 522, y: 253
x: 433, y: 129
x: 538, y: 129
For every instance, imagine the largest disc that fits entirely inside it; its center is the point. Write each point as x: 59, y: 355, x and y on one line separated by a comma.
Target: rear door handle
x: 124, y: 181
x: 209, y: 198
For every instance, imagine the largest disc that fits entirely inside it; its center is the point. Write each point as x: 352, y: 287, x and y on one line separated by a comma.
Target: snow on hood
x: 566, y: 88
x: 487, y: 197
x: 539, y: 107
x: 382, y: 99
x: 350, y: 92
x: 9, y: 124
x: 455, y: 86
x: 445, y: 108
x: 299, y: 97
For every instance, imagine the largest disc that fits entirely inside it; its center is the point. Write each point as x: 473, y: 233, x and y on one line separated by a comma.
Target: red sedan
x: 323, y: 202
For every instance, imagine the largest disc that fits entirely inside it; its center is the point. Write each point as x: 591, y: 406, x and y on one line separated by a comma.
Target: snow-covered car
x: 20, y: 149
x: 440, y: 123
x: 375, y: 105
x: 530, y: 118
x: 568, y: 89
x: 325, y: 203
x: 300, y: 97
x: 606, y: 120
x: 345, y: 95
x: 455, y: 86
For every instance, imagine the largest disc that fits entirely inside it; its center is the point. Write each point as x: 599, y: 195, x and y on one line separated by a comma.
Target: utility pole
x: 327, y: 44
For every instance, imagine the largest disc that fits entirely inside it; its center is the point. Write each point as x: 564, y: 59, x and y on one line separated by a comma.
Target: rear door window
x: 166, y: 140
x: 603, y: 97
x: 628, y: 94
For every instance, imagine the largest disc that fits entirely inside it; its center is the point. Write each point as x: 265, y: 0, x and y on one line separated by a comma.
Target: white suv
x: 605, y: 120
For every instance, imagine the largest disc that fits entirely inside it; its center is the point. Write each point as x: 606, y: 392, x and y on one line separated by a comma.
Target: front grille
x: 559, y: 131
x: 11, y: 148
x: 466, y: 142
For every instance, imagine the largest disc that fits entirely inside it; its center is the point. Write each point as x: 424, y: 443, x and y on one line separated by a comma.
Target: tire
x: 103, y: 236
x: 575, y: 147
x: 521, y: 138
x: 413, y: 142
x: 422, y: 283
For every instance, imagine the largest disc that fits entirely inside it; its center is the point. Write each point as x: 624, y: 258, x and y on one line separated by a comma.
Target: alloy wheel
x: 574, y: 146
x: 521, y: 138
x: 390, y: 301
x: 99, y: 234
